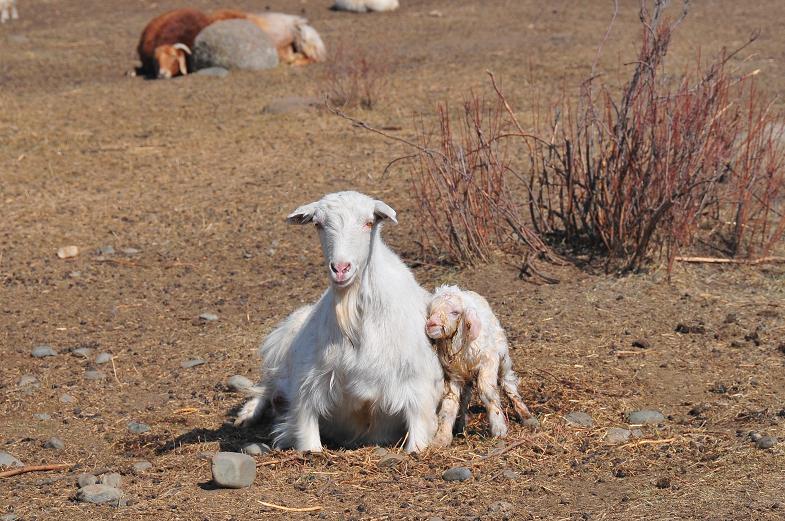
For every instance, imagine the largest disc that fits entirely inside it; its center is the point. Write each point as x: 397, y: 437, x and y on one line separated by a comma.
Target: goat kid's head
x: 447, y: 312
x: 348, y: 223
x: 171, y: 60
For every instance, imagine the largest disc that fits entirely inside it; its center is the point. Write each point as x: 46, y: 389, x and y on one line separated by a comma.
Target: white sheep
x: 363, y: 6
x: 8, y: 7
x: 471, y: 344
x: 357, y: 366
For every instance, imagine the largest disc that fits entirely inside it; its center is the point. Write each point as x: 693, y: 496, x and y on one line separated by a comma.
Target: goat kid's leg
x: 487, y: 384
x: 448, y: 410
x: 306, y: 429
x: 509, y: 382
x: 463, y: 409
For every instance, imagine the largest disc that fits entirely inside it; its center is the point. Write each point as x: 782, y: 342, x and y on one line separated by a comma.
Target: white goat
x: 8, y: 7
x: 357, y: 366
x: 471, y: 344
x: 363, y: 6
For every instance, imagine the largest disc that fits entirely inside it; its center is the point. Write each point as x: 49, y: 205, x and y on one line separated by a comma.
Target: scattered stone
x: 697, y: 329
x: 637, y: 433
x: 27, y: 380
x: 767, y: 442
x: 391, y: 460
x: 502, y: 507
x: 103, y: 358
x: 129, y: 251
x: 84, y: 352
x: 99, y: 494
x: 380, y: 452
x: 6, y: 460
x: 106, y: 250
x: 43, y: 351
x: 641, y: 343
x: 111, y: 479
x: 67, y: 398
x: 532, y: 423
x: 509, y: 474
x: 138, y: 427
x: 616, y: 435
x: 233, y: 470
x: 457, y: 474
x: 291, y: 104
x: 9, y: 517
x: 208, y: 317
x: 730, y: 318
x: 188, y: 364
x: 578, y: 419
x: 66, y: 252
x: 239, y: 383
x: 215, y: 72
x: 754, y: 436
x: 699, y: 409
x: 644, y: 417
x: 54, y: 443
x: 256, y: 449
x: 141, y: 466
x: 42, y: 416
x: 234, y: 44
x: 206, y: 455
x: 664, y: 482
x: 436, y: 13
x: 74, y: 274
x: 85, y: 480
x: 94, y: 374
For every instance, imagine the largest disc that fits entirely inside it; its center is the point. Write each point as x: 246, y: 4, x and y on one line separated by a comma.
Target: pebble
x: 43, y: 352
x: 233, y: 470
x: 216, y: 72
x: 99, y: 494
x: 84, y: 352
x: 111, y: 479
x: 129, y: 251
x: 256, y: 449
x: 380, y: 452
x: 532, y: 423
x: 27, y: 380
x: 503, y: 507
x: 291, y: 104
x: 754, y: 436
x: 192, y: 363
x: 641, y: 343
x: 644, y: 417
x: 578, y: 419
x: 7, y: 460
x: 94, y: 374
x: 767, y: 442
x: 509, y: 474
x: 103, y: 358
x: 138, y: 427
x: 106, y: 250
x: 66, y: 252
x: 42, y: 416
x: 54, y: 443
x: 84, y: 480
x: 141, y: 466
x: 457, y: 474
x: 391, y: 460
x: 664, y: 482
x: 9, y: 517
x: 616, y: 435
x: 239, y: 383
x: 208, y: 317
x: 67, y: 398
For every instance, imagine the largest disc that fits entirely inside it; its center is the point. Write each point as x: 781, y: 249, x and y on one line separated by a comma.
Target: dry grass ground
x: 198, y: 178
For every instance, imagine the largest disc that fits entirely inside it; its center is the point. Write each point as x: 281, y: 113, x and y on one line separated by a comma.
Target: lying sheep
x: 8, y: 10
x: 363, y: 6
x: 165, y: 45
x: 471, y: 345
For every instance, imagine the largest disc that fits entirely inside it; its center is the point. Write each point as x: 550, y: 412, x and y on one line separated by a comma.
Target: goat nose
x: 341, y: 267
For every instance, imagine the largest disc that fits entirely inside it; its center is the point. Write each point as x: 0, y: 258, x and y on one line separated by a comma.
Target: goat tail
x: 308, y: 43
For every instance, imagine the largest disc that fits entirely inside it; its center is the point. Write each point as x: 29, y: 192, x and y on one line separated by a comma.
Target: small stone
x: 111, y: 479
x: 503, y: 507
x: 67, y: 398
x: 754, y: 436
x: 188, y: 364
x: 239, y: 383
x: 103, y: 358
x: 380, y: 452
x: 85, y: 480
x: 54, y: 443
x: 66, y: 252
x: 9, y: 517
x: 215, y: 72
x: 27, y: 380
x: 99, y: 494
x: 94, y: 374
x: 696, y: 329
x: 42, y: 416
x: 578, y: 419
x: 129, y: 251
x: 391, y: 460
x: 6, y: 460
x: 206, y: 455
x: 208, y: 317
x: 106, y: 250
x: 84, y: 352
x: 616, y: 435
x: 233, y: 470
x: 138, y: 427
x: 436, y: 13
x: 74, y: 274
x: 509, y: 474
x: 532, y: 423
x: 256, y: 449
x: 636, y: 433
x: 644, y: 417
x: 730, y: 318
x: 457, y: 474
x: 767, y: 442
x: 290, y: 104
x: 641, y: 343
x: 43, y: 351
x: 664, y: 482
x: 141, y: 466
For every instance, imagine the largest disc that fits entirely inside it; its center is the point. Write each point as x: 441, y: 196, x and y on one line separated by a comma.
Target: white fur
x: 357, y: 366
x: 8, y: 10
x: 362, y: 6
x: 284, y: 28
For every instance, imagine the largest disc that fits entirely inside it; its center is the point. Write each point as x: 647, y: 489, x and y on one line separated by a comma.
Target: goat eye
x: 368, y: 224
x: 455, y: 313
x: 318, y: 225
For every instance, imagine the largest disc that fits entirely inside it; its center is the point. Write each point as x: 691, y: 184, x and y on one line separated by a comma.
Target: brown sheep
x: 165, y: 45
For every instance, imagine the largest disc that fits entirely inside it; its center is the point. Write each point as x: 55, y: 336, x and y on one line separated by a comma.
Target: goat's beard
x: 347, y: 311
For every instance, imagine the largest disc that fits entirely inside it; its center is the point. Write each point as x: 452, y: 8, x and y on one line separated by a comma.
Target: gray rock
x: 755, y: 436
x: 99, y: 494
x: 43, y: 351
x: 391, y: 460
x: 84, y: 480
x: 578, y: 419
x: 67, y: 398
x: 94, y: 374
x: 256, y: 449
x: 84, y: 352
x: 636, y: 433
x: 192, y: 363
x: 208, y: 317
x: 111, y: 479
x: 644, y: 417
x: 766, y: 442
x: 103, y: 358
x: 215, y: 72
x: 54, y: 443
x: 509, y: 474
x: 6, y: 460
x: 234, y: 44
x: 233, y: 470
x: 9, y: 517
x: 502, y: 507
x: 457, y: 474
x: 616, y: 435
x: 239, y: 383
x: 28, y: 380
x: 435, y: 518
x: 289, y: 104
x: 380, y: 452
x: 129, y: 251
x: 141, y: 466
x: 106, y: 250
x: 138, y: 427
x: 42, y: 416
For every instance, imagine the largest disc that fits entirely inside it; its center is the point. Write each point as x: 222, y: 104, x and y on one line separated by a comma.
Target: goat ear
x: 471, y: 324
x: 182, y: 64
x: 384, y: 212
x: 302, y: 215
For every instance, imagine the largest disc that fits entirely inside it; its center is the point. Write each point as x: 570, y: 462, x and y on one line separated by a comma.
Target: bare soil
x: 196, y: 176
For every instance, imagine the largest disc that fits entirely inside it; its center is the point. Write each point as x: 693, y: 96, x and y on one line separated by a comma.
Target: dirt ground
x: 194, y: 175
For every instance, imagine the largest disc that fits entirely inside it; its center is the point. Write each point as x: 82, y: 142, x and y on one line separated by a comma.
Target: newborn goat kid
x: 471, y: 344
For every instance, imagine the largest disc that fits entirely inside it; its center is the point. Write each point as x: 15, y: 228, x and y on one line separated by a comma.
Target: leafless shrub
x: 354, y: 77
